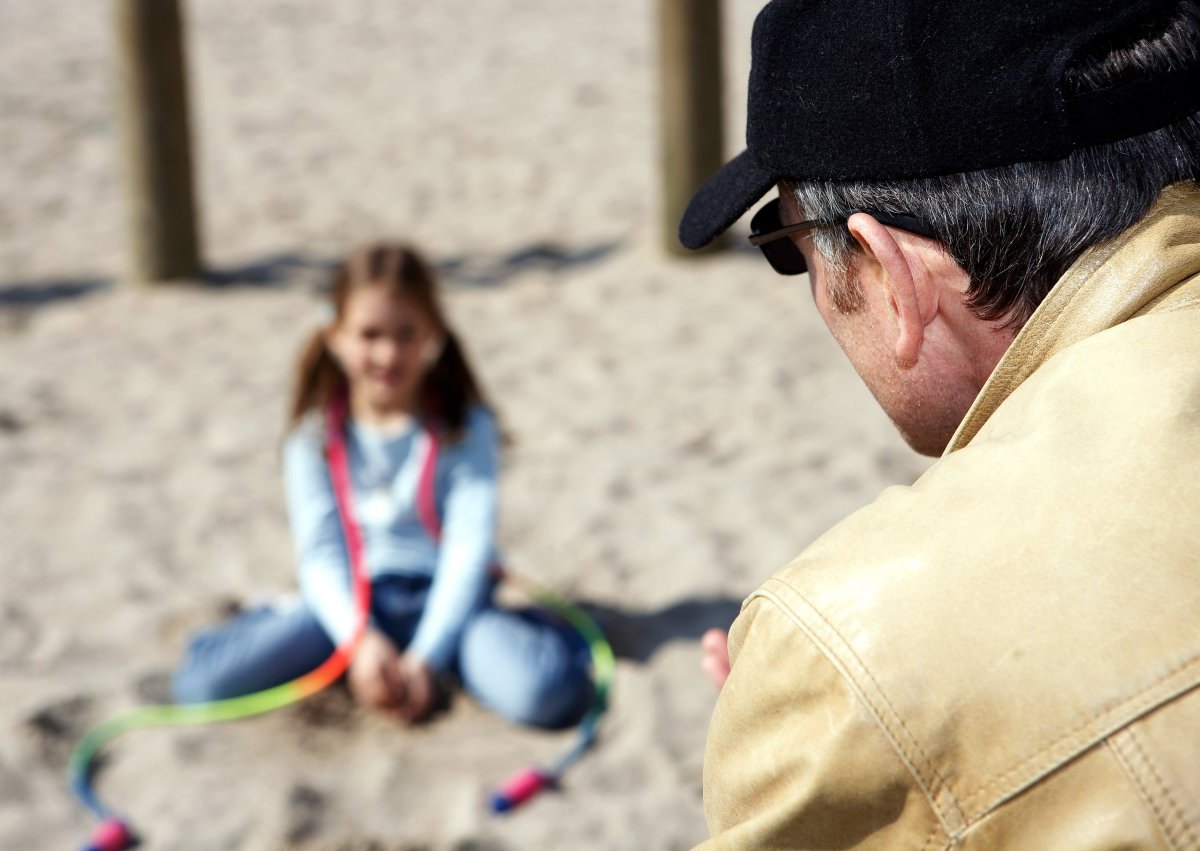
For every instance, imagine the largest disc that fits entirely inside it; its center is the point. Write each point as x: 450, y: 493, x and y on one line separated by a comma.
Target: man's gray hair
x: 1016, y: 229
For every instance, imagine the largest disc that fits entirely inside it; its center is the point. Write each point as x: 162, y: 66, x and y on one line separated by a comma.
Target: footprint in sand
x: 332, y: 707
x: 56, y: 727
x: 306, y: 808
x: 10, y: 423
x: 19, y: 636
x: 154, y: 688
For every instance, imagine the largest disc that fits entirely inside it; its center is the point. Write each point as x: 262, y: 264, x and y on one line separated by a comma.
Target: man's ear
x: 901, y: 275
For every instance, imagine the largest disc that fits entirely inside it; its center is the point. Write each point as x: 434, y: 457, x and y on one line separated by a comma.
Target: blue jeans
x: 521, y: 664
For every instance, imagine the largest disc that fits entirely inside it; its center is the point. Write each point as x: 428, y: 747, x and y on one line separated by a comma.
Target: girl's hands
x: 374, y: 677
x: 382, y: 678
x: 420, y: 689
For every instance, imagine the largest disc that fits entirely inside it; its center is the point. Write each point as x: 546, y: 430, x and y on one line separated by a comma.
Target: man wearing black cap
x: 998, y: 210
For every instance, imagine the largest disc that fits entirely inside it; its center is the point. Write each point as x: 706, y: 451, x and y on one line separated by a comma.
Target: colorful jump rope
x: 113, y: 833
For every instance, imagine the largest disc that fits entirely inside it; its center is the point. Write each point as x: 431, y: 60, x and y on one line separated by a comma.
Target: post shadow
x: 30, y: 295
x: 482, y: 270
x: 291, y: 269
x: 282, y: 270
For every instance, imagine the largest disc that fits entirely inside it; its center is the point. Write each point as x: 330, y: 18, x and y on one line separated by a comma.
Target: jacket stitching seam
x: 1137, y: 703
x: 928, y: 784
x: 907, y: 758
x: 933, y: 834
x: 1177, y: 817
x: 1132, y: 771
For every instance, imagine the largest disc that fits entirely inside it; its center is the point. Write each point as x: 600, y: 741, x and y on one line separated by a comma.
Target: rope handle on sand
x: 114, y: 833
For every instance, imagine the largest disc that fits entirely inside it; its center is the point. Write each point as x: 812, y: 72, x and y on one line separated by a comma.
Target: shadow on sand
x: 483, y: 270
x: 30, y: 295
x: 638, y: 636
x: 290, y: 270
x: 285, y: 270
x: 296, y: 270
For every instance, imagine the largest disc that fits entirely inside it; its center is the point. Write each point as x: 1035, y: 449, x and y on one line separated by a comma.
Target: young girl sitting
x: 391, y: 356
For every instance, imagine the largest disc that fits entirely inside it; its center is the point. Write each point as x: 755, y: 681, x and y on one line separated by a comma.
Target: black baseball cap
x: 895, y: 89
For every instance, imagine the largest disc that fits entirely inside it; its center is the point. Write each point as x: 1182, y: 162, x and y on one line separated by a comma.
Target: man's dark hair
x: 1016, y: 229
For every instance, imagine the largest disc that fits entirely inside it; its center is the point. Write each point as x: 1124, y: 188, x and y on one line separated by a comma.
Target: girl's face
x: 384, y: 343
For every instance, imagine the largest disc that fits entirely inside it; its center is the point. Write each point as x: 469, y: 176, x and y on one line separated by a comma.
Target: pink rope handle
x: 520, y: 788
x: 427, y: 510
x: 426, y: 494
x: 339, y: 474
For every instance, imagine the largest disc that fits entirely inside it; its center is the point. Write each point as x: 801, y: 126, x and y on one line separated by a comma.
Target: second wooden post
x: 690, y: 105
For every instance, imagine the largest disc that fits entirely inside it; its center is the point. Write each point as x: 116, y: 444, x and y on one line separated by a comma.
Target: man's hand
x: 714, y: 646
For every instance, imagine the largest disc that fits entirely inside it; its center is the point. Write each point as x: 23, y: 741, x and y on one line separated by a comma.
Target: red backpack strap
x: 426, y: 494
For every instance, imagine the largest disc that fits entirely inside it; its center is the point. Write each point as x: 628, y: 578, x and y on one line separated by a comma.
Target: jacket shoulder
x: 1035, y: 591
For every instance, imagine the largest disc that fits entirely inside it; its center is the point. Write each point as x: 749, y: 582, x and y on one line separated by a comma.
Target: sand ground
x: 682, y: 428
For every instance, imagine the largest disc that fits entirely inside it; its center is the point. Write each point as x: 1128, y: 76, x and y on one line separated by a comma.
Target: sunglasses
x: 768, y: 232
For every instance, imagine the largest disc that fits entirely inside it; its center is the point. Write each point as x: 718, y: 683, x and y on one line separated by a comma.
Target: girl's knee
x: 524, y: 671
x: 562, y: 703
x: 204, y: 672
x: 258, y: 649
x: 549, y: 703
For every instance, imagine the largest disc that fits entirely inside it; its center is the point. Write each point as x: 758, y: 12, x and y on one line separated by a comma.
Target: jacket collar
x: 1154, y: 265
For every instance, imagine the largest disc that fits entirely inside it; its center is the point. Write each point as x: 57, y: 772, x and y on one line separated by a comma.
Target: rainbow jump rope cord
x: 114, y: 833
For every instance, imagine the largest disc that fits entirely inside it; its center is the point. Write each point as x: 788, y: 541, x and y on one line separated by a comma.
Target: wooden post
x: 156, y: 137
x: 692, y: 115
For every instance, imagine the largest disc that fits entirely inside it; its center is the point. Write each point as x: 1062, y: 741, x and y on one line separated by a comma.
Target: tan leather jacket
x: 1006, y: 654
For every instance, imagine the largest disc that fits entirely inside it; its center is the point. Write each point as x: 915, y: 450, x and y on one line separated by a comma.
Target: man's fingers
x: 715, y: 660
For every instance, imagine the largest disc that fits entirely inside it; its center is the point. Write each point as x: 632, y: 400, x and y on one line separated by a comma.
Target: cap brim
x: 723, y: 199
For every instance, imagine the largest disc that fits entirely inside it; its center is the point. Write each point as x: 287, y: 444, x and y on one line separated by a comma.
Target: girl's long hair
x: 449, y: 387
